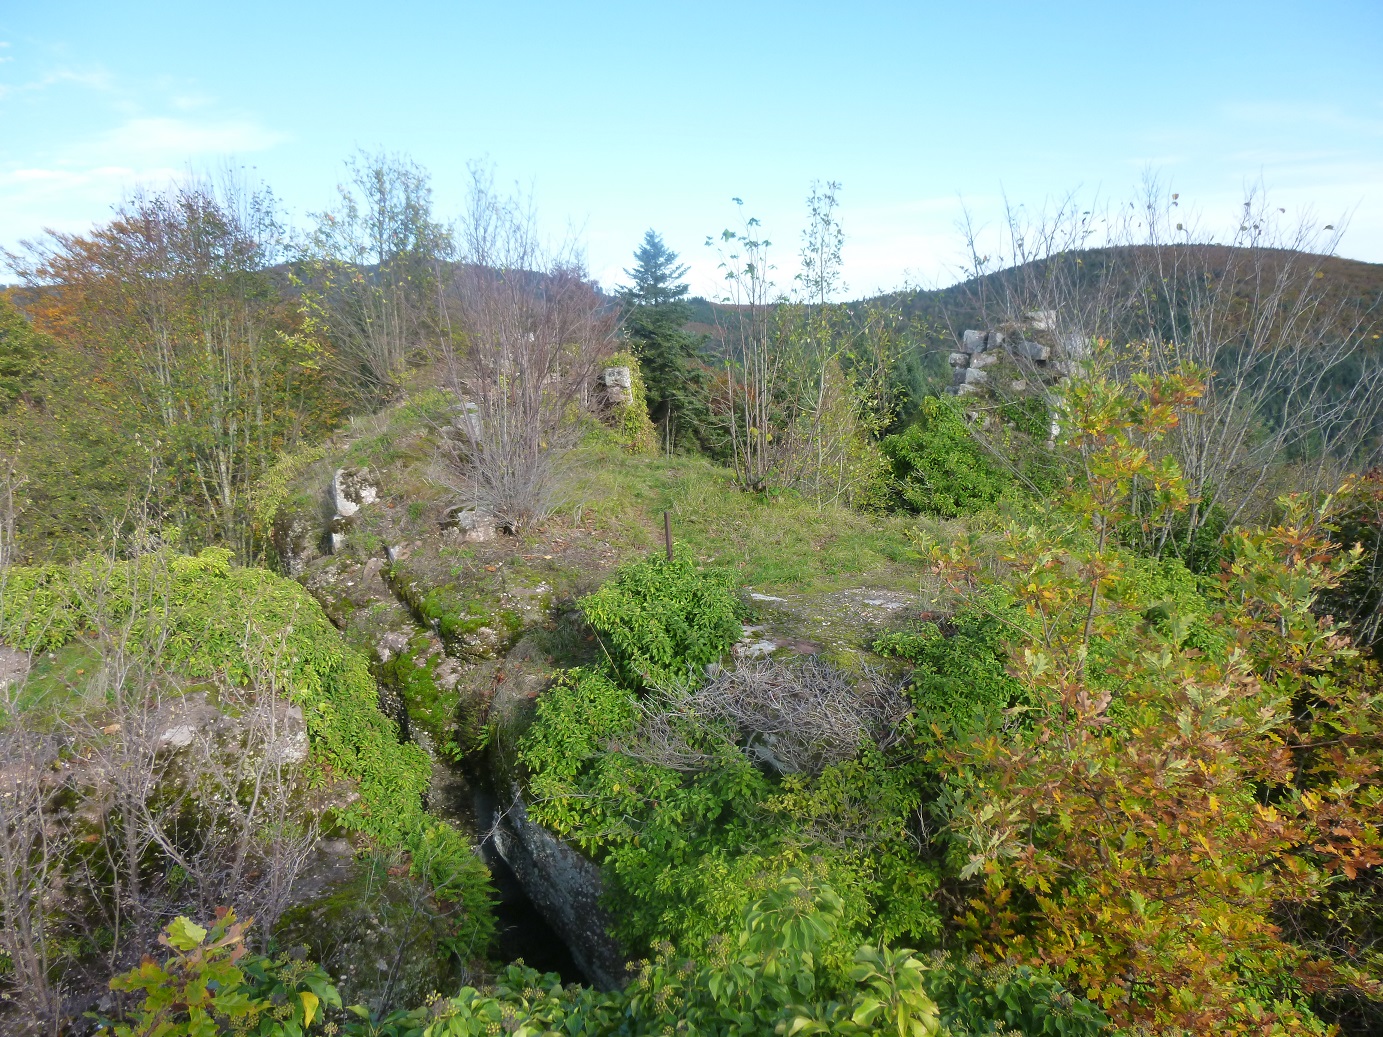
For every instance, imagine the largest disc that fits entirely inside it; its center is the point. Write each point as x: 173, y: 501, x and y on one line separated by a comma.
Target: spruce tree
x: 655, y: 274
x: 655, y: 316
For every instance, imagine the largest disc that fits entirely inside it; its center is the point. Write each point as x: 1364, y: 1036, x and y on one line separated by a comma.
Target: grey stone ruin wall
x: 1017, y: 359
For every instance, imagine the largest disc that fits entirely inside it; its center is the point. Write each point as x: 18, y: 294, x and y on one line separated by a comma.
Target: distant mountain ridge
x: 946, y: 312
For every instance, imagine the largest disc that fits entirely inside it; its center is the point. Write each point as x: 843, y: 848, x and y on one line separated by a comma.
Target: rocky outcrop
x: 351, y: 490
x: 566, y: 887
x: 1020, y: 358
x: 616, y: 385
x: 297, y: 540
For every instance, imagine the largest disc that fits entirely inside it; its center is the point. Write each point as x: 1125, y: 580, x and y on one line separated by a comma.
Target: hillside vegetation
x: 401, y: 636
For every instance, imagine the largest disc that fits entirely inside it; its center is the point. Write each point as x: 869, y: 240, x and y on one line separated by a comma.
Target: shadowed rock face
x: 380, y: 941
x: 565, y: 887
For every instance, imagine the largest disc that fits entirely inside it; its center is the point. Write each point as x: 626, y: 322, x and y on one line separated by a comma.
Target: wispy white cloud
x: 163, y: 137
x: 134, y: 135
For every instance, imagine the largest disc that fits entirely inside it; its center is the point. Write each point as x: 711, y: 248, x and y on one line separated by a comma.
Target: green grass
x: 783, y: 543
x: 58, y: 678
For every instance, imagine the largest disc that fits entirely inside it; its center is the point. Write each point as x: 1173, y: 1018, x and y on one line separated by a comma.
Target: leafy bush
x: 659, y: 620
x: 1169, y: 785
x: 939, y: 469
x: 1008, y: 998
x: 958, y: 679
x: 210, y: 984
x: 687, y: 851
x: 766, y: 975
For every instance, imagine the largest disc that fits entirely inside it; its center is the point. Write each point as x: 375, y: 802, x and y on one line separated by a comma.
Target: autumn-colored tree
x: 169, y: 316
x: 1172, y: 773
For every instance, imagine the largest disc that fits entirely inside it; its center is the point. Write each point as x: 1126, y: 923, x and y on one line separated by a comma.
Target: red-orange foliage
x: 1171, y: 783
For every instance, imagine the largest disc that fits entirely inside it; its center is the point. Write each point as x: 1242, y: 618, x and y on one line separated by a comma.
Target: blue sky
x: 626, y: 116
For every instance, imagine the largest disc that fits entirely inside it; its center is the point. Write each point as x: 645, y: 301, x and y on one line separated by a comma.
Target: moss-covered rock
x: 382, y: 936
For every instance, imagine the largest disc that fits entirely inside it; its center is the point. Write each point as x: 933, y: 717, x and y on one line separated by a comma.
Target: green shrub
x: 939, y: 469
x: 272, y: 489
x: 686, y: 852
x: 210, y: 985
x: 1007, y: 998
x: 766, y: 975
x: 660, y: 620
x: 631, y: 422
x: 958, y: 679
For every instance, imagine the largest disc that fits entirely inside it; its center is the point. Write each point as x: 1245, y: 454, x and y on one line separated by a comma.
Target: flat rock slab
x: 844, y: 622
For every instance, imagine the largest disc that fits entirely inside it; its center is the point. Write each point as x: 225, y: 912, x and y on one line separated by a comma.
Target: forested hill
x: 1351, y: 283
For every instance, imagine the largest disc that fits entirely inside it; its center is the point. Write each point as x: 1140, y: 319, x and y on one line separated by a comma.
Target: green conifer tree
x: 655, y: 317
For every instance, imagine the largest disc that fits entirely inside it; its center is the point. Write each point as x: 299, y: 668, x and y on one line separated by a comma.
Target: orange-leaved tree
x: 1184, y: 761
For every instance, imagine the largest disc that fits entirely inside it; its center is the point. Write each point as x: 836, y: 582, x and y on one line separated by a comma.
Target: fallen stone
x: 470, y: 524
x: 390, y: 645
x: 178, y: 737
x: 14, y: 667
x: 466, y: 419
x: 1031, y: 350
x: 755, y: 649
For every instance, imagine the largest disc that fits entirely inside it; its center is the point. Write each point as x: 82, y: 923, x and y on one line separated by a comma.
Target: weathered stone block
x: 470, y: 524
x: 1031, y: 350
x: 984, y: 360
x: 351, y: 490
x: 959, y: 359
x: 466, y: 419
x: 618, y: 378
x: 974, y: 376
x: 972, y: 342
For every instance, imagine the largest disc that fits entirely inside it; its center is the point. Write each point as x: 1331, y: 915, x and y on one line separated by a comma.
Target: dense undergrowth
x: 208, y: 621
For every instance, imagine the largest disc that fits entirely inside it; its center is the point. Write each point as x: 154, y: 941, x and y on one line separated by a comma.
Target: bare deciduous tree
x: 169, y: 802
x: 31, y: 876
x: 372, y: 267
x: 525, y: 329
x: 805, y: 386
x: 1295, y: 392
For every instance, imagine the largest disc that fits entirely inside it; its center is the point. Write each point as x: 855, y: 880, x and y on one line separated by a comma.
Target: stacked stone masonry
x: 1023, y: 357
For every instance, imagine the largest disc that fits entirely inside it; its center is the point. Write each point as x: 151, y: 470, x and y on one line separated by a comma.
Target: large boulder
x: 380, y: 936
x: 351, y: 490
x: 566, y: 888
x: 470, y: 525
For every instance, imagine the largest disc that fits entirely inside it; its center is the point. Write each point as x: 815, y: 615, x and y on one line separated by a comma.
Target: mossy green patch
x: 413, y: 674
